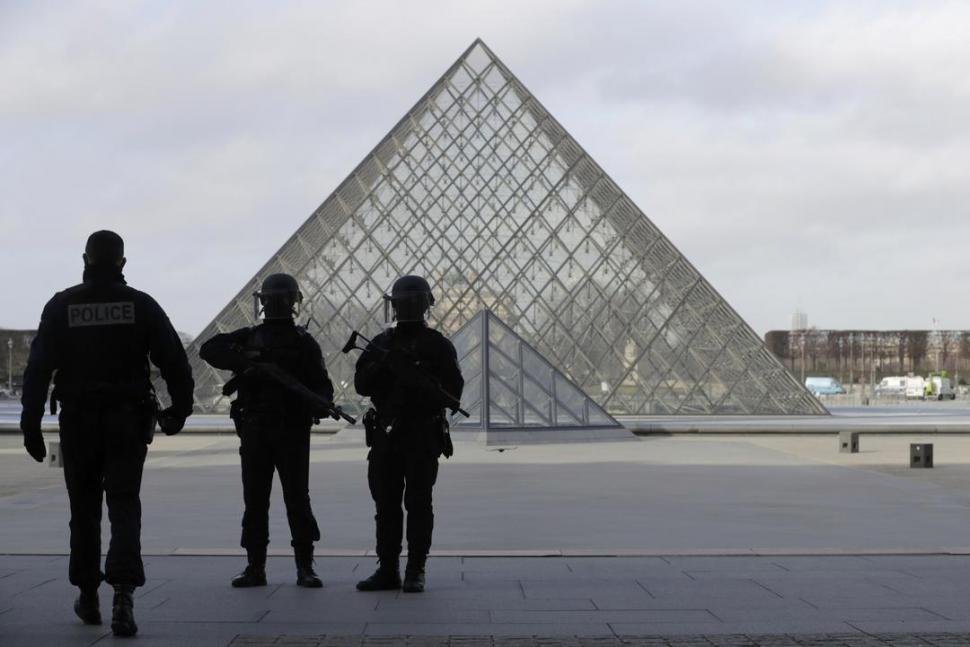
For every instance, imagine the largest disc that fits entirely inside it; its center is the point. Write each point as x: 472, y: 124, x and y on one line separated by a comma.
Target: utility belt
x: 384, y: 432
x: 271, y: 418
x: 252, y: 407
x: 141, y: 400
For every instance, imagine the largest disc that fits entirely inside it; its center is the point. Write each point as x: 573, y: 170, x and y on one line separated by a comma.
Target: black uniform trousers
x: 286, y: 450
x: 103, y: 450
x: 403, y: 467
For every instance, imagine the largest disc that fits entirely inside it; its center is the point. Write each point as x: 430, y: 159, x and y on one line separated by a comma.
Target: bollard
x: 849, y: 442
x: 921, y: 455
x: 54, y: 454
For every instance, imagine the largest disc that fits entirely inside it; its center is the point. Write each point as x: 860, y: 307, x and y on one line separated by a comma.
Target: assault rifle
x: 415, y: 371
x: 319, y: 405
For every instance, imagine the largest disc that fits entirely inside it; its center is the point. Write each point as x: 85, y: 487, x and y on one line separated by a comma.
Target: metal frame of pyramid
x: 479, y: 189
x: 513, y: 393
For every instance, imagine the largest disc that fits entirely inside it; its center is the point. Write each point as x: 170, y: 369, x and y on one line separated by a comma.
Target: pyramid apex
x: 477, y: 55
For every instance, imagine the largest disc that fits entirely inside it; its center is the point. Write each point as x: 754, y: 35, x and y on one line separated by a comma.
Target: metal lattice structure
x: 510, y: 387
x: 481, y: 191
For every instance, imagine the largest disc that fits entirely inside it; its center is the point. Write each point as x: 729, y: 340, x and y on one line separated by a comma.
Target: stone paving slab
x: 187, y: 601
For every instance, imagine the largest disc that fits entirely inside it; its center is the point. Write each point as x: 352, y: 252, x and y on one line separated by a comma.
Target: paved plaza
x: 757, y: 538
x: 187, y: 600
x: 652, y: 495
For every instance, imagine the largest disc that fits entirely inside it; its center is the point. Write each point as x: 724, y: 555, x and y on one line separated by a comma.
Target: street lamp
x: 803, y: 356
x: 841, y: 360
x: 10, y: 365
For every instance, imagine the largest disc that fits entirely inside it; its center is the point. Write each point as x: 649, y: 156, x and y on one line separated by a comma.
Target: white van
x: 895, y: 385
x: 915, y: 387
x: 940, y: 388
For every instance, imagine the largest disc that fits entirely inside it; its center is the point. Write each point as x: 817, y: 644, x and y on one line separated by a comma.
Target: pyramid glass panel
x: 523, y: 391
x: 481, y: 191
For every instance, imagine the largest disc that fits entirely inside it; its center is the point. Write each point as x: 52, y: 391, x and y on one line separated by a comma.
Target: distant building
x: 799, y: 320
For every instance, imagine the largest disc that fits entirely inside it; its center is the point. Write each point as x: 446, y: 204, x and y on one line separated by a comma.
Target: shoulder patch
x: 100, y: 314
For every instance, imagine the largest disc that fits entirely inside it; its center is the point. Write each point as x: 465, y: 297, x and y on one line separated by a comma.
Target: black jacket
x: 276, y: 341
x: 96, y: 339
x: 393, y: 393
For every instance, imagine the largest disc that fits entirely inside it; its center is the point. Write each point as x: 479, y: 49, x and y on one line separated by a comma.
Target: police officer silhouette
x: 274, y: 422
x: 96, y: 340
x: 404, y: 370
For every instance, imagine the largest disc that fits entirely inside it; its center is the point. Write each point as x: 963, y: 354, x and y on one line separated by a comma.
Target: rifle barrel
x: 296, y: 387
x: 346, y: 416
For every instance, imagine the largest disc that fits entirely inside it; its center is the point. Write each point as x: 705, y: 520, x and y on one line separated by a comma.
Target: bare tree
x: 964, y: 349
x: 949, y: 342
x: 918, y: 343
x: 814, y: 346
x: 778, y: 342
x: 901, y: 341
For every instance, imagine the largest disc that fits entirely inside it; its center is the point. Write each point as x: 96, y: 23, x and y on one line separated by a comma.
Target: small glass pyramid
x: 509, y: 386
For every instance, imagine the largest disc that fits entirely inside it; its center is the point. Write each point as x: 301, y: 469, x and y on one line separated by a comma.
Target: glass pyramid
x: 510, y: 387
x: 481, y: 191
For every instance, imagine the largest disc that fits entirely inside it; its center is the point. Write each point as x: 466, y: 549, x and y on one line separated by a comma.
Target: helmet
x: 410, y: 298
x: 279, y: 297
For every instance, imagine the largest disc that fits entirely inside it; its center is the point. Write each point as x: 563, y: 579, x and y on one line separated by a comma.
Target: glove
x: 170, y: 421
x: 34, y: 442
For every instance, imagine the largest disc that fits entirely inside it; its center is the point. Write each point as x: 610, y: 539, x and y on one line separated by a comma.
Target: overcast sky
x: 812, y: 155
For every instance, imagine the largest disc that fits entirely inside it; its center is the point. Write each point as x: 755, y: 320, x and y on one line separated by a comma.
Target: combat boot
x: 87, y: 606
x: 304, y: 567
x: 123, y: 612
x: 255, y: 572
x: 387, y: 577
x: 414, y: 575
